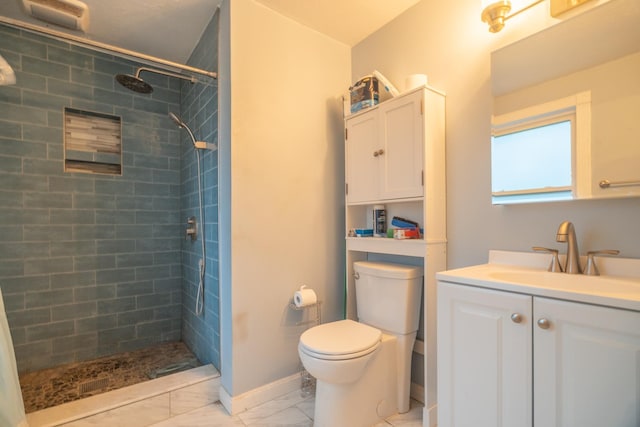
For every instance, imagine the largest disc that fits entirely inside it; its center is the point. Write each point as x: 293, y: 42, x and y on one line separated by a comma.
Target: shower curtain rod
x: 107, y: 48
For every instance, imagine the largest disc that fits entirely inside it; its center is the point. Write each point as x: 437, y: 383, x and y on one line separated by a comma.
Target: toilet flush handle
x: 356, y: 275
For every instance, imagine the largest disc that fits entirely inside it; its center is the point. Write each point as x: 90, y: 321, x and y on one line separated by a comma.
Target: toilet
x: 363, y: 368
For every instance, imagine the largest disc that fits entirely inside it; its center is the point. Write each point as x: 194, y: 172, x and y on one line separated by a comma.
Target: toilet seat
x: 341, y: 340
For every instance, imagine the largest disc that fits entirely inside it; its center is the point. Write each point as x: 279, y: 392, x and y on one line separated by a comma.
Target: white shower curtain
x: 11, y: 405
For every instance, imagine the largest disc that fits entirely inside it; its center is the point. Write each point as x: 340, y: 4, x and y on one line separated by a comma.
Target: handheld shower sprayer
x: 197, y: 144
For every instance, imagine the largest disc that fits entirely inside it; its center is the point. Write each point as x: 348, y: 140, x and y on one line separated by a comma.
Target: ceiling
x: 348, y: 21
x: 170, y: 29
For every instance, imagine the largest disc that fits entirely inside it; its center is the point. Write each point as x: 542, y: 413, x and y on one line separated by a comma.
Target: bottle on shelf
x: 379, y: 221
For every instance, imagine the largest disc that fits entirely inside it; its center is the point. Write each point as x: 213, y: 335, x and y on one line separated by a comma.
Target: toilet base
x: 372, y: 398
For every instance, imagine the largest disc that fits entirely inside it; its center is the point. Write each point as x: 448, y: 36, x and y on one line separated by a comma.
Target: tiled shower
x: 95, y: 264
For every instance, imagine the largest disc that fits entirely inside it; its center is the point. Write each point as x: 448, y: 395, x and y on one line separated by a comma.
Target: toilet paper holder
x: 317, y: 305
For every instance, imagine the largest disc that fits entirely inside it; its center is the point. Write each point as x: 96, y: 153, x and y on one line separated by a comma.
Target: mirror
x: 578, y: 56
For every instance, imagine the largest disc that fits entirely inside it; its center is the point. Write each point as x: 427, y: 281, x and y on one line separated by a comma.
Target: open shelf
x: 384, y: 245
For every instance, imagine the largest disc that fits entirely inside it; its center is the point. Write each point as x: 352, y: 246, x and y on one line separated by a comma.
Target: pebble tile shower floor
x: 50, y: 387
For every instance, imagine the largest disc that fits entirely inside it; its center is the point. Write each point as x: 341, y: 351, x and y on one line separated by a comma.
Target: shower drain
x: 93, y: 385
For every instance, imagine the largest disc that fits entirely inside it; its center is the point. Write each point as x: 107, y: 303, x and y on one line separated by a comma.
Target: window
x: 534, y: 151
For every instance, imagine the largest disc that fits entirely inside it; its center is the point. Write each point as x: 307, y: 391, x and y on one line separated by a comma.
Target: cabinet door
x: 402, y: 141
x: 362, y: 174
x: 484, y: 358
x: 586, y: 365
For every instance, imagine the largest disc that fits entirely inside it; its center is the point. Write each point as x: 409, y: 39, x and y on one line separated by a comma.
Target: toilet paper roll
x: 304, y: 297
x: 415, y: 80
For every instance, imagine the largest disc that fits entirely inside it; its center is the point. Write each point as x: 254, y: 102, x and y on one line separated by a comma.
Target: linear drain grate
x: 172, y: 369
x: 93, y: 385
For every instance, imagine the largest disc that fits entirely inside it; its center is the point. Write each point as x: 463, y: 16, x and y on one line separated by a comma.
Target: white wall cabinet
x: 395, y: 156
x: 384, y: 151
x: 508, y: 359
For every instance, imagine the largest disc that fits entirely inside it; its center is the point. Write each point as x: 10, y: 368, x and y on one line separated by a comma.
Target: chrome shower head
x: 136, y: 84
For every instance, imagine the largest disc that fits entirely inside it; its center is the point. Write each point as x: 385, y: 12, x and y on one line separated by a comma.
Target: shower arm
x: 191, y: 79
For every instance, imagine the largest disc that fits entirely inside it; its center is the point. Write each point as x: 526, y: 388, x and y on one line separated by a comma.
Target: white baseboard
x: 236, y: 404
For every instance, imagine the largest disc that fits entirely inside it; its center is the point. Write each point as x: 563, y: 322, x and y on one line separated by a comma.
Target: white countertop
x: 526, y: 273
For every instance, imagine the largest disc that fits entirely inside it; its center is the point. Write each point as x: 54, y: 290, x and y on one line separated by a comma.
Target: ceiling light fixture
x: 495, y: 13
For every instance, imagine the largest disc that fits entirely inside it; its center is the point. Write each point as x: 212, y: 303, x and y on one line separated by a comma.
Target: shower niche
x: 92, y: 142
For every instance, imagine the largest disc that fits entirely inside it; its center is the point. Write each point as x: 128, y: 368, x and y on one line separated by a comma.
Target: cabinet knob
x: 379, y: 152
x: 516, y: 318
x: 544, y: 323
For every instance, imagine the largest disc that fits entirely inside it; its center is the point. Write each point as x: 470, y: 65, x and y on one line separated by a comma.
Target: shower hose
x: 202, y: 263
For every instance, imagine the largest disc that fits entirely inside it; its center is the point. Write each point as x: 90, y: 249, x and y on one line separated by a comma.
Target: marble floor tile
x: 194, y: 396
x: 290, y: 417
x: 290, y: 410
x: 272, y: 407
x: 141, y: 413
x: 413, y: 418
x: 213, y: 415
x: 307, y: 406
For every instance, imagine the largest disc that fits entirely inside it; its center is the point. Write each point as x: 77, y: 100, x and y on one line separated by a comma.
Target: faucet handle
x: 555, y: 263
x: 592, y: 269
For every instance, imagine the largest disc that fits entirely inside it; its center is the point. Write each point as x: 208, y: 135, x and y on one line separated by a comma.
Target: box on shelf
x: 364, y: 94
x: 368, y: 91
x: 406, y: 233
x: 360, y: 232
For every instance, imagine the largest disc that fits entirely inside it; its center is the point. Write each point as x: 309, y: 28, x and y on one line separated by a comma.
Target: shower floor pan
x: 54, y: 386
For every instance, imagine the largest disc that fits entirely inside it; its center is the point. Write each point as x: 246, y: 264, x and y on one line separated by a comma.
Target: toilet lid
x: 340, y: 339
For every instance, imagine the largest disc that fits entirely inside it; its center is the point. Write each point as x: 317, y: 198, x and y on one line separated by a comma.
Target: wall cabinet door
x: 402, y: 142
x: 384, y: 151
x: 586, y: 365
x: 362, y: 164
x: 484, y: 358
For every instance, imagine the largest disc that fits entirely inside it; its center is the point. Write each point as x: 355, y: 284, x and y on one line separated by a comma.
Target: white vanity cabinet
x: 395, y: 156
x: 586, y: 365
x: 484, y: 358
x: 512, y: 359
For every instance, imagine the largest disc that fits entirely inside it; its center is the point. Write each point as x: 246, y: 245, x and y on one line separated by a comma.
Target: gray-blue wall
x: 200, y: 111
x: 89, y: 264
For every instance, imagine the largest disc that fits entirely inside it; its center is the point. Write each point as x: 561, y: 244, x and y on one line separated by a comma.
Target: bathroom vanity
x: 520, y: 346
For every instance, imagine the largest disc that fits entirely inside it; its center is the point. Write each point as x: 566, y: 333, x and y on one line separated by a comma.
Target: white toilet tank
x: 388, y: 296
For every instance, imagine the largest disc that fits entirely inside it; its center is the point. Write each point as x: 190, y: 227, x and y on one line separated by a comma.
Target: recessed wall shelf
x: 92, y: 142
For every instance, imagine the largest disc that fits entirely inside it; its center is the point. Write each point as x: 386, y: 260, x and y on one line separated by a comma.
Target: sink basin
x: 596, y: 285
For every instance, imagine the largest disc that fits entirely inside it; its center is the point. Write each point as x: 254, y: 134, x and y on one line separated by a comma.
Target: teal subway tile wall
x: 199, y: 109
x: 93, y: 264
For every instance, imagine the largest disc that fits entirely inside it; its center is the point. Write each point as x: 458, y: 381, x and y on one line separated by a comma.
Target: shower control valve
x: 192, y: 228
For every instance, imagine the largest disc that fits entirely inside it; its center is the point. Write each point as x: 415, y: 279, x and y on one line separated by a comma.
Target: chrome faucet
x: 567, y: 234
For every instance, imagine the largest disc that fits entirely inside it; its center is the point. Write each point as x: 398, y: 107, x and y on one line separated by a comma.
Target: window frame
x: 576, y: 108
